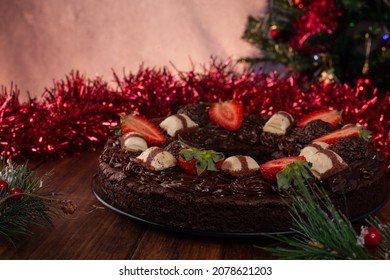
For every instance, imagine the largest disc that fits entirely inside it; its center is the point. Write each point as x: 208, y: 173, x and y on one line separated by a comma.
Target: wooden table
x: 96, y: 232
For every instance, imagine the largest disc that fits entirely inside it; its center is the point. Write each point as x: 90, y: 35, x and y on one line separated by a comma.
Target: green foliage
x: 384, y: 247
x: 293, y: 175
x: 205, y: 159
x: 32, y: 209
x: 365, y: 134
x: 320, y: 231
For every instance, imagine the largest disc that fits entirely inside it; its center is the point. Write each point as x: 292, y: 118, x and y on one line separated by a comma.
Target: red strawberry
x: 188, y: 166
x: 271, y: 168
x: 345, y: 131
x: 218, y: 164
x: 196, y: 161
x: 228, y: 114
x: 133, y: 123
x: 331, y: 116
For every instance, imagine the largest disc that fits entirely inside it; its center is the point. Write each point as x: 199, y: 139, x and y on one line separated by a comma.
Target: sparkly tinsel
x: 76, y: 113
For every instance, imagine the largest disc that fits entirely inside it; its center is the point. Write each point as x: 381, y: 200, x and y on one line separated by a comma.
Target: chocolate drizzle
x: 128, y: 136
x: 149, y: 159
x: 183, y: 121
x: 244, y: 164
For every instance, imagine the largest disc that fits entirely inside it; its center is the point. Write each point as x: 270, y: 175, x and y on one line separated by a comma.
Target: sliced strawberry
x: 345, y: 131
x: 331, y: 116
x: 271, y: 168
x: 152, y: 134
x: 196, y: 161
x: 227, y: 114
x: 188, y: 166
x: 218, y: 164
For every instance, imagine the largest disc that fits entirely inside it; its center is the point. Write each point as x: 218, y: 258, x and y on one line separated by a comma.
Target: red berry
x: 228, y: 114
x: 3, y: 185
x: 188, y: 166
x: 372, y: 238
x: 16, y: 190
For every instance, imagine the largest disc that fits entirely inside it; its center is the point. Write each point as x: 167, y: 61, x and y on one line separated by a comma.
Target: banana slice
x: 324, y: 162
x: 156, y: 159
x: 313, y: 148
x: 238, y: 166
x: 279, y: 123
x: 177, y: 123
x: 133, y: 141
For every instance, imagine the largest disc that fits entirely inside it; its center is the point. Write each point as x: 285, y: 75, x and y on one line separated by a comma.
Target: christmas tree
x: 330, y: 40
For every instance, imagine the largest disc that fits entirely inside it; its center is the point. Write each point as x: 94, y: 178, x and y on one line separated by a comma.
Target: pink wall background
x: 44, y: 40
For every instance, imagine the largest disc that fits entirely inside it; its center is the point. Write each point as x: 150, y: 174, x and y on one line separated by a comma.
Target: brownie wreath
x: 211, y: 168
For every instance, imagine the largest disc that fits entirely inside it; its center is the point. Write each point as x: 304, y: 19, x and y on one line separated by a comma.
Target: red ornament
x: 372, y: 237
x: 16, y: 190
x: 320, y: 16
x: 3, y: 185
x: 298, y: 3
x: 363, y: 83
x: 274, y: 32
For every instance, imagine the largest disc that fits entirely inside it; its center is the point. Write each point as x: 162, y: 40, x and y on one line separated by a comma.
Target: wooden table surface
x: 96, y: 232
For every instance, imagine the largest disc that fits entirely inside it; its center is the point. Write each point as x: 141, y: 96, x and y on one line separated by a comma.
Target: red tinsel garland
x: 76, y: 113
x: 319, y: 16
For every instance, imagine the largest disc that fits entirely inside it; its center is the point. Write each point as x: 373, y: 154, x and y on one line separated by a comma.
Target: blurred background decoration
x: 327, y: 40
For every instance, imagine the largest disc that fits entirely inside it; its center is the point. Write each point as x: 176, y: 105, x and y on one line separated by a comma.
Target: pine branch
x: 18, y: 211
x: 384, y: 229
x: 320, y: 231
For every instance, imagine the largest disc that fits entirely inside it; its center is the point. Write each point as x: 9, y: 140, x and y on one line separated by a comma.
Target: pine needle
x: 320, y: 231
x: 34, y: 207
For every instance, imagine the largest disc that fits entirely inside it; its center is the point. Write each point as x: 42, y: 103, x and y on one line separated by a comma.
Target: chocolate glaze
x: 366, y: 165
x: 195, y: 112
x: 217, y: 202
x: 213, y: 183
x: 213, y: 137
x: 251, y: 129
x: 297, y: 138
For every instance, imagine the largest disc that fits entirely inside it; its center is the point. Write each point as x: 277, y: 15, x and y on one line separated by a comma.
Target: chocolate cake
x: 235, y: 194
